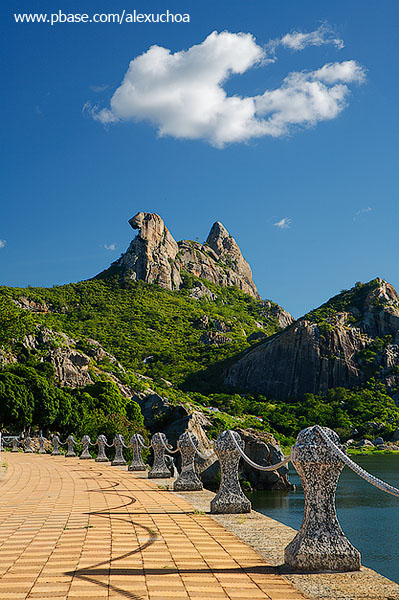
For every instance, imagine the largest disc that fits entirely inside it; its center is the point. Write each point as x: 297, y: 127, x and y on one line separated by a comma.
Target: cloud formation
x: 283, y: 223
x: 362, y: 211
x: 2, y: 243
x: 110, y: 247
x: 182, y: 93
x: 323, y: 35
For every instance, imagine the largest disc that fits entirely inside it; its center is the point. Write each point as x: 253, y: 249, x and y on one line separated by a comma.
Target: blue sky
x: 70, y: 183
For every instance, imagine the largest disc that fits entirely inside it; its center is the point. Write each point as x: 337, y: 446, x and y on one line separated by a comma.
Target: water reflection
x: 368, y: 516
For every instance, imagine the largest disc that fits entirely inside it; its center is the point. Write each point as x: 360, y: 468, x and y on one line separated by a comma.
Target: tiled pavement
x: 81, y: 530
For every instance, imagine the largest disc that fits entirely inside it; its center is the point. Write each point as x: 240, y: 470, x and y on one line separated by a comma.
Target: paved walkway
x: 81, y: 530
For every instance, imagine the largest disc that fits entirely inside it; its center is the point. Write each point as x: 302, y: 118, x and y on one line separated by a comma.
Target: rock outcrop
x: 71, y: 358
x: 155, y: 257
x: 151, y: 255
x: 330, y: 347
x: 162, y: 415
x: 262, y: 448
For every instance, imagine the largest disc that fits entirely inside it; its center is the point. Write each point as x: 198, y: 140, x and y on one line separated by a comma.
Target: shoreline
x: 269, y: 538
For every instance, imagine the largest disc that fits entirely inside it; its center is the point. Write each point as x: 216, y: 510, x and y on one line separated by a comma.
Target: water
x: 368, y: 516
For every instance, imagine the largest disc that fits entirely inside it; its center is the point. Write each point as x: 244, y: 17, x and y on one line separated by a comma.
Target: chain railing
x: 167, y: 447
x: 378, y: 483
x: 200, y: 454
x: 255, y: 465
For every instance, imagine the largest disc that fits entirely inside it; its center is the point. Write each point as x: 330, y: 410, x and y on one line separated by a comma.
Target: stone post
x: 70, y: 443
x: 320, y: 544
x: 159, y: 469
x: 56, y: 445
x: 188, y: 480
x: 28, y: 444
x: 41, y: 439
x: 230, y: 498
x: 101, y: 442
x: 119, y: 459
x: 137, y: 460
x: 85, y: 455
x: 15, y: 443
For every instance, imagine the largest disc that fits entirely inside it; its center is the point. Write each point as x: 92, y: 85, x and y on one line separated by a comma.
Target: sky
x: 278, y: 119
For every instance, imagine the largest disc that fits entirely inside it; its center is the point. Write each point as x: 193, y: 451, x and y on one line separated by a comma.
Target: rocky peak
x: 155, y: 257
x: 151, y: 255
x: 221, y: 241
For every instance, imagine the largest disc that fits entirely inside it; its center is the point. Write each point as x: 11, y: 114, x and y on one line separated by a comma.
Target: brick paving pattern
x: 81, y: 530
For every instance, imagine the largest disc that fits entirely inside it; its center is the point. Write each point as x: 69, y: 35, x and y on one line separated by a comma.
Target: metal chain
x: 254, y: 464
x: 378, y: 483
x: 141, y: 441
x: 166, y: 448
x: 203, y: 456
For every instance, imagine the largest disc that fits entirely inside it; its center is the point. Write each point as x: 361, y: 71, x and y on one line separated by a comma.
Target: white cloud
x: 182, y: 93
x: 298, y: 40
x: 99, y: 88
x: 345, y: 72
x: 2, y: 243
x: 362, y: 211
x: 283, y: 223
x: 110, y: 246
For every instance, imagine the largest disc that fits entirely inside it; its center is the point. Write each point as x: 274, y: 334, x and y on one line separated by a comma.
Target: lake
x: 368, y: 516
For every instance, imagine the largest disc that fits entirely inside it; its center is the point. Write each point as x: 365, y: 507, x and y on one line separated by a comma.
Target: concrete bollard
x: 70, y: 443
x: 101, y: 443
x: 56, y: 445
x: 159, y: 469
x: 119, y: 459
x: 137, y: 460
x: 41, y: 439
x: 230, y: 497
x: 15, y: 443
x: 85, y: 455
x: 320, y: 544
x: 28, y: 444
x: 188, y: 480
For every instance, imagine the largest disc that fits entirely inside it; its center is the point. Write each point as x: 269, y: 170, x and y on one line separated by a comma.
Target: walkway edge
x: 269, y: 538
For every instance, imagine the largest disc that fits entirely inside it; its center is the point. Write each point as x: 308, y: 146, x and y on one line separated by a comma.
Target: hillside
x: 78, y: 356
x: 126, y: 334
x: 345, y: 342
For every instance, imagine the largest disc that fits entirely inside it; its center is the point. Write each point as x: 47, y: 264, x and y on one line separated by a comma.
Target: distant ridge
x: 343, y: 343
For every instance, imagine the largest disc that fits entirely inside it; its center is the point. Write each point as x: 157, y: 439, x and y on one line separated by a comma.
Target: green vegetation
x: 28, y: 395
x: 368, y: 410
x: 150, y: 330
x: 155, y: 333
x: 346, y: 299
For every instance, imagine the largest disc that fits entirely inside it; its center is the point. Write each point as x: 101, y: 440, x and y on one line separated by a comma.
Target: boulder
x: 263, y: 449
x: 256, y: 337
x: 159, y: 412
x: 378, y: 441
x: 365, y: 444
x: 214, y: 338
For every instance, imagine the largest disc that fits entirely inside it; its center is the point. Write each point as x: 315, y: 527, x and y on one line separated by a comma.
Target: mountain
x: 347, y: 340
x: 155, y: 257
x: 180, y: 326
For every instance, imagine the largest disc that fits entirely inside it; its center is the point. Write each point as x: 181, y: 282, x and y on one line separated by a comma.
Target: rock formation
x: 155, y: 257
x: 263, y: 449
x: 71, y: 364
x: 151, y: 255
x: 327, y: 347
